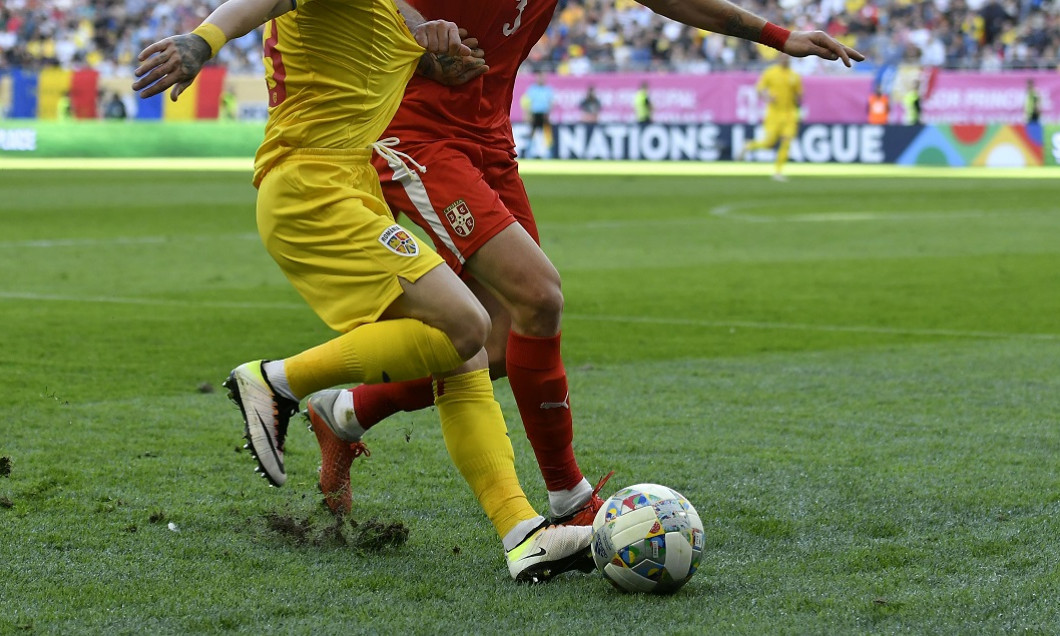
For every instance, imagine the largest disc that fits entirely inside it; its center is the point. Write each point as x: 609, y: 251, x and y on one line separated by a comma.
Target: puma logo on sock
x: 565, y: 404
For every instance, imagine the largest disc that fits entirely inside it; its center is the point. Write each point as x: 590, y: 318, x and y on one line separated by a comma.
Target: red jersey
x: 480, y: 110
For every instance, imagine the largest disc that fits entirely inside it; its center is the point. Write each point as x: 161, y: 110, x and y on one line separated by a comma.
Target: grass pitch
x: 853, y: 377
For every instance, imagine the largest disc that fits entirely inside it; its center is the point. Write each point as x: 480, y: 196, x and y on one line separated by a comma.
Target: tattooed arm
x: 176, y: 60
x: 437, y: 36
x: 721, y: 16
x: 454, y: 70
x: 449, y: 68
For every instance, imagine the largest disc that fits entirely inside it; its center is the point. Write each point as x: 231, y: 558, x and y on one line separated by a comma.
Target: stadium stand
x: 586, y: 35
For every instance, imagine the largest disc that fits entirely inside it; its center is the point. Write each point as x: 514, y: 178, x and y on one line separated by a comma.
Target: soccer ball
x: 647, y: 538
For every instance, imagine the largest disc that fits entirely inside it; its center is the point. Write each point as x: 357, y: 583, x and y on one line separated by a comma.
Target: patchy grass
x: 856, y: 381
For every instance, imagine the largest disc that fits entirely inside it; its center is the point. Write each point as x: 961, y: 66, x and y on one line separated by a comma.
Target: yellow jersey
x: 336, y: 71
x: 784, y: 87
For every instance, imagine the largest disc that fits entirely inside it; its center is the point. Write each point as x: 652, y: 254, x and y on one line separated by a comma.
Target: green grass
x: 855, y: 380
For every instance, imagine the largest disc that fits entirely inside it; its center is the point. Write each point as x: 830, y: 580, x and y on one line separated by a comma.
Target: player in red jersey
x: 472, y: 203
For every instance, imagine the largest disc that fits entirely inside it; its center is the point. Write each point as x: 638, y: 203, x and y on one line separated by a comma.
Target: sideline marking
x: 725, y: 211
x: 794, y: 326
x: 130, y: 240
x: 765, y: 170
x: 645, y: 320
x: 221, y: 164
x: 157, y: 302
x: 732, y: 211
x: 575, y: 168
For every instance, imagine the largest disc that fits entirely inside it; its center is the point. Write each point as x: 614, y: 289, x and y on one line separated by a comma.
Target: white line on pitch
x: 786, y: 326
x: 159, y: 302
x: 128, y: 240
x: 729, y: 324
x: 732, y: 211
x: 727, y: 211
x: 573, y: 168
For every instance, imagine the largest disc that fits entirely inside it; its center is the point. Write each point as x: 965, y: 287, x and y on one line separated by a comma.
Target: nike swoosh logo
x: 540, y: 552
x: 268, y: 437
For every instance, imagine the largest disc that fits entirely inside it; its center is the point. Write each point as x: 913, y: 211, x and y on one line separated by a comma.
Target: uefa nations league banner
x: 730, y: 98
x: 996, y: 145
x: 957, y: 146
x: 1051, y: 145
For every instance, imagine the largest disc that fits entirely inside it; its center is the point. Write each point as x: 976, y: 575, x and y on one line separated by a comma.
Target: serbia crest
x: 459, y: 217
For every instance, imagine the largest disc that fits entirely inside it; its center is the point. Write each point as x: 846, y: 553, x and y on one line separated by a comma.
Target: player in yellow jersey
x: 781, y: 87
x: 336, y: 73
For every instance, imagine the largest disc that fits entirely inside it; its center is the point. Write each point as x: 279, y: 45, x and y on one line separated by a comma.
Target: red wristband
x: 774, y: 36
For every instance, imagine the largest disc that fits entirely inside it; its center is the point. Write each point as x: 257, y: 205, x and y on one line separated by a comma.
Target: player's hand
x: 440, y: 37
x: 471, y: 43
x: 454, y: 71
x: 819, y: 43
x: 174, y: 61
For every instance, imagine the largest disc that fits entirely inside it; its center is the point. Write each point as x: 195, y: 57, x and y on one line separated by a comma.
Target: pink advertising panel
x: 990, y: 98
x: 731, y: 97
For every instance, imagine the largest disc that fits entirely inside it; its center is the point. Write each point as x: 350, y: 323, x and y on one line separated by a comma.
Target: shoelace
x: 397, y: 159
x: 283, y: 420
x: 594, y: 502
x: 358, y: 449
x: 599, y: 486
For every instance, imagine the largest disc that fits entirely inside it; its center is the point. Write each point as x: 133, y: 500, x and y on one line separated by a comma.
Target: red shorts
x: 468, y: 194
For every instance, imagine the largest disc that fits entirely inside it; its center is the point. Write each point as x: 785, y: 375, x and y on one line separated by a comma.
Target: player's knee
x: 539, y: 311
x: 468, y: 328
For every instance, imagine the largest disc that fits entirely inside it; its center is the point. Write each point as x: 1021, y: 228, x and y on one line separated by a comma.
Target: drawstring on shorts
x: 396, y: 159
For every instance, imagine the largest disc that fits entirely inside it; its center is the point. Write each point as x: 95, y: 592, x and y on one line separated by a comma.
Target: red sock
x: 539, y: 383
x: 374, y: 403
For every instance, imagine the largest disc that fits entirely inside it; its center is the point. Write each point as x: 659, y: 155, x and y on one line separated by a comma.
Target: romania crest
x: 399, y: 241
x: 459, y: 216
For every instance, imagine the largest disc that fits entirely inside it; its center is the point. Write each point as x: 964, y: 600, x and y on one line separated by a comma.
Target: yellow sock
x: 782, y: 153
x: 477, y: 441
x: 385, y: 351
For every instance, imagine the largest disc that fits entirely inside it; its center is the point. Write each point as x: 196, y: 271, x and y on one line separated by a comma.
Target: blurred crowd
x: 586, y: 35
x: 105, y: 34
x: 973, y: 34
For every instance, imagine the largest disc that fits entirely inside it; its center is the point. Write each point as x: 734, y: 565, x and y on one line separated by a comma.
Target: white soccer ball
x: 647, y: 538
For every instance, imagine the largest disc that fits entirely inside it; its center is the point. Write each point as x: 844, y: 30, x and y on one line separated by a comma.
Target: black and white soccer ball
x: 647, y: 538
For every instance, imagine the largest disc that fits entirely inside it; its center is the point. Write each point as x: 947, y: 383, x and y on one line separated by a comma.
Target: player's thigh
x: 500, y: 171
x: 513, y: 268
x: 772, y: 126
x: 500, y: 326
x: 451, y: 202
x: 326, y: 226
x: 482, y: 195
x: 788, y: 126
x: 440, y: 299
x: 511, y: 264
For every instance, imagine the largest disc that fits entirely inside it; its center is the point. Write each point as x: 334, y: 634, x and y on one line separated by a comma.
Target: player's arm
x: 454, y: 70
x: 176, y: 60
x: 722, y: 16
x: 445, y: 68
x: 437, y: 36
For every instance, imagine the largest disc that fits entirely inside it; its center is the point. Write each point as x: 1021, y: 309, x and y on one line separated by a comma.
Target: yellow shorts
x: 322, y: 218
x: 781, y: 124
